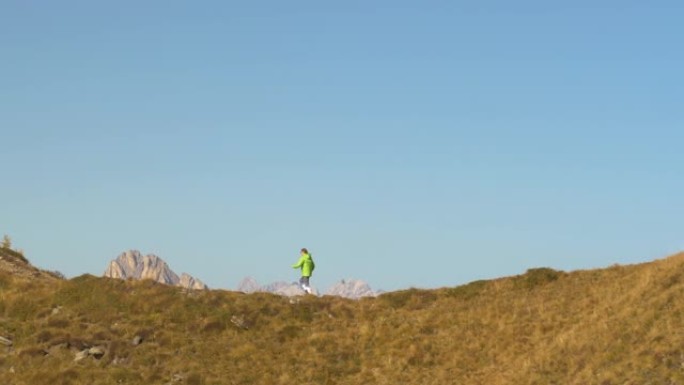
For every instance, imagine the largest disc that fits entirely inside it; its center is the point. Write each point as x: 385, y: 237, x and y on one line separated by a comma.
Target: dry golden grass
x: 620, y: 325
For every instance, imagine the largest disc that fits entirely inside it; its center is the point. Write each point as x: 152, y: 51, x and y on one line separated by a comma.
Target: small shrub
x: 59, y: 323
x: 397, y: 299
x: 69, y: 374
x: 194, y: 379
x: 13, y: 255
x: 119, y: 349
x: 23, y: 309
x: 5, y: 280
x: 303, y: 312
x: 44, y: 336
x: 6, y: 242
x: 411, y: 299
x: 466, y: 292
x: 33, y: 352
x: 154, y: 377
x: 288, y: 332
x: 125, y: 376
x: 537, y: 277
x: 102, y: 335
x: 213, y: 327
x: 56, y: 274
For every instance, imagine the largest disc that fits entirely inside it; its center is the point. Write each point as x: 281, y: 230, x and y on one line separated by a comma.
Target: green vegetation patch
x: 537, y: 277
x: 409, y: 299
x: 466, y: 292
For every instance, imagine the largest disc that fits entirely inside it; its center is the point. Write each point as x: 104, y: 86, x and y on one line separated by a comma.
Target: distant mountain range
x: 132, y: 264
x: 352, y: 288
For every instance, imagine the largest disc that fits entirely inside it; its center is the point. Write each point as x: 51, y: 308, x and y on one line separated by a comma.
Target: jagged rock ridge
x: 353, y: 288
x: 250, y: 285
x: 132, y: 264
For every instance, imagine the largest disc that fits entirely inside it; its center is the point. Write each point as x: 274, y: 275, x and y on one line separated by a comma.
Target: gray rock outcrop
x: 96, y: 352
x: 137, y: 340
x: 132, y: 264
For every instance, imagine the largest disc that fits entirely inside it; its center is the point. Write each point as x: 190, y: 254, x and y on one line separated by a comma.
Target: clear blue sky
x: 404, y: 143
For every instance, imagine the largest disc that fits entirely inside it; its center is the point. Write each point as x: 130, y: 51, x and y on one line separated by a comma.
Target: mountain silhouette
x: 133, y: 265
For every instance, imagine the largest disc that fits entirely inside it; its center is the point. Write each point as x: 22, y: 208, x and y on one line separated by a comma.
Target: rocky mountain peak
x: 188, y: 281
x: 248, y: 285
x: 132, y: 264
x: 352, y: 288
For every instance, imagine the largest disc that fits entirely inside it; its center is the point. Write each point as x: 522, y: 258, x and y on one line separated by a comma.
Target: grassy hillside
x: 15, y: 264
x: 620, y: 325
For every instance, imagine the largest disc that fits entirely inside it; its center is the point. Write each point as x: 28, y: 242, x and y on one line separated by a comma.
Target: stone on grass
x: 137, y: 340
x: 5, y: 341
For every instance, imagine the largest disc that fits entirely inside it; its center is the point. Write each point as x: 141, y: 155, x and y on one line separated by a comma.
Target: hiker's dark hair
x: 304, y: 250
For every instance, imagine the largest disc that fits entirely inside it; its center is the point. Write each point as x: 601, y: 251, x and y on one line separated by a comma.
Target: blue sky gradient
x: 404, y: 143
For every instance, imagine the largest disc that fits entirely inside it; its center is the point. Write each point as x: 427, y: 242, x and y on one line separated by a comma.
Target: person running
x: 307, y: 265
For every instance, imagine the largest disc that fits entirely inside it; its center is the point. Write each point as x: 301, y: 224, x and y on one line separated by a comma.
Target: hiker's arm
x: 299, y: 263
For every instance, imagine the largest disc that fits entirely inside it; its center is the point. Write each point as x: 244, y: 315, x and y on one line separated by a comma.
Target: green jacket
x: 306, y: 264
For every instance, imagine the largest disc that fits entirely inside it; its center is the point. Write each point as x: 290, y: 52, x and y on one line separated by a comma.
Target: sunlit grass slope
x: 619, y: 325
